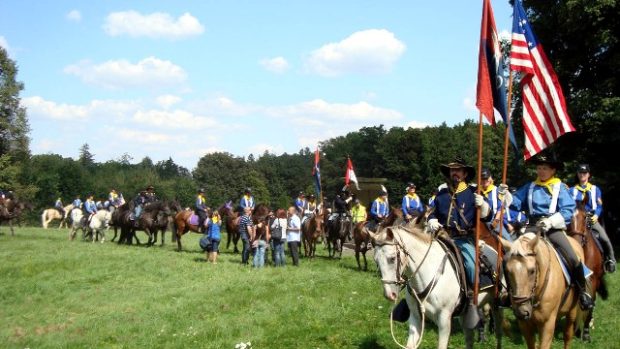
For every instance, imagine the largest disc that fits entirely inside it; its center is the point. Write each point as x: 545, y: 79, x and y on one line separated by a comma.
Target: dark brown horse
x: 580, y: 230
x: 312, y: 230
x: 232, y: 224
x: 11, y: 209
x: 154, y: 217
x: 182, y: 225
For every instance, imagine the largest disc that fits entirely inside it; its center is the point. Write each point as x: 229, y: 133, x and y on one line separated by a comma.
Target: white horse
x: 99, y: 223
x: 412, y: 258
x: 51, y: 213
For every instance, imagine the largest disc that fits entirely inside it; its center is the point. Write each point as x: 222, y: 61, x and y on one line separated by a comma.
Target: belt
x: 534, y: 219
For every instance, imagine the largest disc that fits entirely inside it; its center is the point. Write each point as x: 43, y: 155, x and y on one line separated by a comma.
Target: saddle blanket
x: 193, y: 219
x: 586, y: 271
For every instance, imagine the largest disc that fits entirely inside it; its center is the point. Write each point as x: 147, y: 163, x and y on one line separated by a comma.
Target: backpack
x: 276, y: 233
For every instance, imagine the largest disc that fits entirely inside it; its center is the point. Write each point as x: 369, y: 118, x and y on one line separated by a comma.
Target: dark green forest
x: 580, y: 38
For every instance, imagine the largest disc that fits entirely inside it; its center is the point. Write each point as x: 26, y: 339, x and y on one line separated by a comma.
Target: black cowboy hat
x: 301, y: 193
x: 583, y: 168
x: 410, y: 185
x: 201, y: 190
x: 485, y: 173
x: 150, y: 187
x: 458, y: 163
x: 382, y: 192
x: 549, y: 159
x: 247, y: 190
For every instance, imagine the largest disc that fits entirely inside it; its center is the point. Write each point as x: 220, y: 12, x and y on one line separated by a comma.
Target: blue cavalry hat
x: 548, y: 159
x: 583, y: 168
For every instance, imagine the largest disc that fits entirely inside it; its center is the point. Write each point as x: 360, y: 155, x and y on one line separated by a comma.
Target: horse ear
x: 532, y: 243
x: 506, y: 244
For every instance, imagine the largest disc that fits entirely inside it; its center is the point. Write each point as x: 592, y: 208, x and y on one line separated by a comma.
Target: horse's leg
x: 357, y: 256
x: 546, y: 332
x: 587, y: 323
x: 365, y: 262
x: 11, y: 226
x: 415, y: 324
x: 444, y: 324
x: 569, y: 330
x: 180, y: 231
x: 236, y: 237
x: 115, y: 232
x: 498, y: 321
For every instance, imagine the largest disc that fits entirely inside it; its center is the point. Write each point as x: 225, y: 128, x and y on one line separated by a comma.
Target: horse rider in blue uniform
x: 90, y: 208
x: 138, y: 205
x: 456, y: 212
x: 150, y: 194
x: 594, y: 206
x: 300, y: 202
x: 493, y: 197
x: 60, y: 207
x: 379, y: 209
x: 550, y: 207
x: 411, y: 205
x: 77, y: 202
x: 200, y: 208
x: 247, y: 200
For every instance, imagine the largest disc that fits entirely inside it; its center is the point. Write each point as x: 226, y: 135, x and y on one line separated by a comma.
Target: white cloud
x: 5, y: 44
x: 416, y: 124
x: 142, y: 136
x: 148, y: 72
x: 276, y: 65
x: 107, y: 109
x: 166, y: 101
x: 154, y: 25
x: 259, y: 149
x: 74, y: 16
x: 319, y: 109
x: 373, y: 51
x: 173, y: 119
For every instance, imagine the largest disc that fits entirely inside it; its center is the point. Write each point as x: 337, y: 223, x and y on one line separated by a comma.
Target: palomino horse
x: 50, y: 214
x: 182, y: 225
x: 409, y: 257
x: 232, y: 224
x: 580, y: 230
x: 311, y: 230
x: 539, y: 293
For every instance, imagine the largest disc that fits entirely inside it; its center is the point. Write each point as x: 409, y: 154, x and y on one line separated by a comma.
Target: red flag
x: 545, y: 117
x: 316, y: 172
x: 350, y: 175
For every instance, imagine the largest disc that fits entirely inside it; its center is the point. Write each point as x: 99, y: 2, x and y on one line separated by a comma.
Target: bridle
x: 518, y: 299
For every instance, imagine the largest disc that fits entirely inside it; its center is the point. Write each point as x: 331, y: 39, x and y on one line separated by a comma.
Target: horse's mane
x: 154, y: 206
x: 418, y: 233
x: 521, y: 247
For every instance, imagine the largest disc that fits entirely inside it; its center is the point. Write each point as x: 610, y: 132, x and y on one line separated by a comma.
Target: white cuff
x: 557, y: 221
x: 485, y: 209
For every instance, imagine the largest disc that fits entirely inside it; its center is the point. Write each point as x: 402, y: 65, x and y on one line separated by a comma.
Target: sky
x: 181, y: 79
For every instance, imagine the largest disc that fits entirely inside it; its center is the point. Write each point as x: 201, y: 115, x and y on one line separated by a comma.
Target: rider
x: 150, y: 194
x: 113, y: 199
x: 594, y: 206
x: 59, y: 206
x: 200, y: 207
x: 455, y: 211
x: 493, y: 197
x: 247, y: 200
x: 340, y: 207
x: 380, y: 208
x: 310, y: 208
x: 139, y: 201
x: 411, y: 205
x: 90, y: 208
x: 77, y: 202
x: 300, y: 202
x: 550, y: 209
x: 358, y: 212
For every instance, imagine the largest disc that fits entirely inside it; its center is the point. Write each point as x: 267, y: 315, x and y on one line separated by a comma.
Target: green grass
x: 56, y: 293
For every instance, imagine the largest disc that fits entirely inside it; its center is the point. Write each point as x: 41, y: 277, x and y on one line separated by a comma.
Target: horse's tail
x: 43, y: 216
x: 602, y: 289
x: 174, y: 230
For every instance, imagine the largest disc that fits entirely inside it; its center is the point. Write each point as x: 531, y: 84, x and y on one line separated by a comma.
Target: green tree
x: 86, y: 158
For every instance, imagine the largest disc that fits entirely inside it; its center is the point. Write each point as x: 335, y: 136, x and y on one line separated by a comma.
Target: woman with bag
x: 260, y: 244
x: 214, y: 237
x: 278, y: 228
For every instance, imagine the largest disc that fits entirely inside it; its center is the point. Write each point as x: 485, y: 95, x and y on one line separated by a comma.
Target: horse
x: 337, y: 231
x: 77, y: 217
x: 10, y: 209
x: 311, y: 230
x: 407, y: 256
x: 185, y: 221
x: 98, y: 224
x: 232, y: 224
x: 50, y: 214
x: 580, y: 230
x: 538, y: 291
x: 154, y: 217
x: 175, y: 208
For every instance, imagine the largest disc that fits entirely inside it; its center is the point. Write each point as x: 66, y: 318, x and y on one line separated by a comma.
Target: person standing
x: 411, y: 204
x: 214, y: 237
x: 260, y: 242
x: 594, y: 206
x: 293, y: 234
x: 278, y: 237
x: 246, y: 231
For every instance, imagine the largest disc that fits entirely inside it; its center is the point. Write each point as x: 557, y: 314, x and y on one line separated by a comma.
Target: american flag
x: 545, y: 117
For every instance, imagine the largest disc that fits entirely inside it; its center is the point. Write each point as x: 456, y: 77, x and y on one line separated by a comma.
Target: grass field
x: 56, y: 293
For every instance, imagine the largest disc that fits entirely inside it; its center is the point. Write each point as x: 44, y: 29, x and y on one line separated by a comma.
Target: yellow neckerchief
x: 488, y: 190
x: 412, y: 196
x: 202, y: 198
x: 586, y: 189
x: 215, y: 219
x: 380, y: 200
x: 113, y: 195
x: 461, y: 187
x: 548, y: 184
x: 247, y: 198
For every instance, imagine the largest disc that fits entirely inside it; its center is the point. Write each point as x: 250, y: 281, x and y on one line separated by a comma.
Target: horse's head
x: 522, y: 272
x: 387, y: 257
x: 579, y: 220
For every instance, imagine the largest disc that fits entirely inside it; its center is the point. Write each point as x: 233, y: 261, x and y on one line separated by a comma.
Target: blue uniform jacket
x: 379, y: 207
x: 245, y: 202
x: 465, y: 203
x: 412, y: 206
x: 595, y: 201
x: 90, y: 207
x: 540, y: 201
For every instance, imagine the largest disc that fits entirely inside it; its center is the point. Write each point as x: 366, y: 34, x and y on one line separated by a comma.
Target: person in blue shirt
x: 211, y: 238
x: 90, y: 208
x: 514, y: 222
x: 139, y: 201
x: 200, y: 208
x: 60, y: 207
x: 247, y: 200
x: 493, y: 197
x: 411, y: 205
x: 300, y: 202
x: 550, y: 208
x: 594, y: 205
x: 77, y: 202
x: 380, y: 208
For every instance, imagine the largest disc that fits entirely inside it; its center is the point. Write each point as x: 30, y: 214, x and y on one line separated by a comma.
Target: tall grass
x: 56, y: 293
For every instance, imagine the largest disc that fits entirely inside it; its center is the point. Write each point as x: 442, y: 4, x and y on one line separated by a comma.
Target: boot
x: 610, y: 265
x: 471, y: 319
x: 585, y: 300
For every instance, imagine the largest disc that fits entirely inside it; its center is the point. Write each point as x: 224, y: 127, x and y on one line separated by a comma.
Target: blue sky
x: 184, y: 78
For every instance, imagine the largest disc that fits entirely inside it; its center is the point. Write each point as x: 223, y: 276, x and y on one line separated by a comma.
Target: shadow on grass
x: 370, y: 342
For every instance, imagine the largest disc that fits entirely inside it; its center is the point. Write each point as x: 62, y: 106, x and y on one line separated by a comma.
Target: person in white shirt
x: 293, y: 234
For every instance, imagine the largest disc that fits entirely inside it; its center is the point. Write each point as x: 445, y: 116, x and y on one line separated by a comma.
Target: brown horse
x: 182, y: 225
x: 232, y: 224
x: 312, y: 230
x: 580, y: 230
x: 539, y: 293
x: 11, y: 209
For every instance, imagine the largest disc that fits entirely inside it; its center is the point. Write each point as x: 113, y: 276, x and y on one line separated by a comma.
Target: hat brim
x: 555, y: 164
x: 445, y: 170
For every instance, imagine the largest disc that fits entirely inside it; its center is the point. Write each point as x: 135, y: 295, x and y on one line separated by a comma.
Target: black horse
x: 12, y: 209
x: 154, y: 218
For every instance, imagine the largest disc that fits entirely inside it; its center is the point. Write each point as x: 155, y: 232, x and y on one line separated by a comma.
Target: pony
x: 409, y: 257
x: 77, y: 223
x: 538, y: 291
x: 98, y: 224
x: 311, y: 230
x: 185, y: 221
x: 580, y: 230
x: 232, y: 224
x: 50, y: 214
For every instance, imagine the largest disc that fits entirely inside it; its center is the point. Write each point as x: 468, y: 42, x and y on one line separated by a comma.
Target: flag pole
x: 504, y: 178
x: 477, y: 234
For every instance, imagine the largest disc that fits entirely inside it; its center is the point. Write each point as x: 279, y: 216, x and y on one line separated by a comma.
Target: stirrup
x: 609, y: 266
x: 585, y: 301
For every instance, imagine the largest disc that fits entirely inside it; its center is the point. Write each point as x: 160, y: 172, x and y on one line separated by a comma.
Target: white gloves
x: 555, y: 221
x: 433, y: 225
x: 485, y: 209
x: 502, y: 189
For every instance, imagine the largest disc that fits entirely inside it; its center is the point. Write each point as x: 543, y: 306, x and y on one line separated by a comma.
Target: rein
x: 532, y: 296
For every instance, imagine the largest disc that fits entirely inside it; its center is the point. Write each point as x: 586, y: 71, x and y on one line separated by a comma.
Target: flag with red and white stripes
x: 545, y: 117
